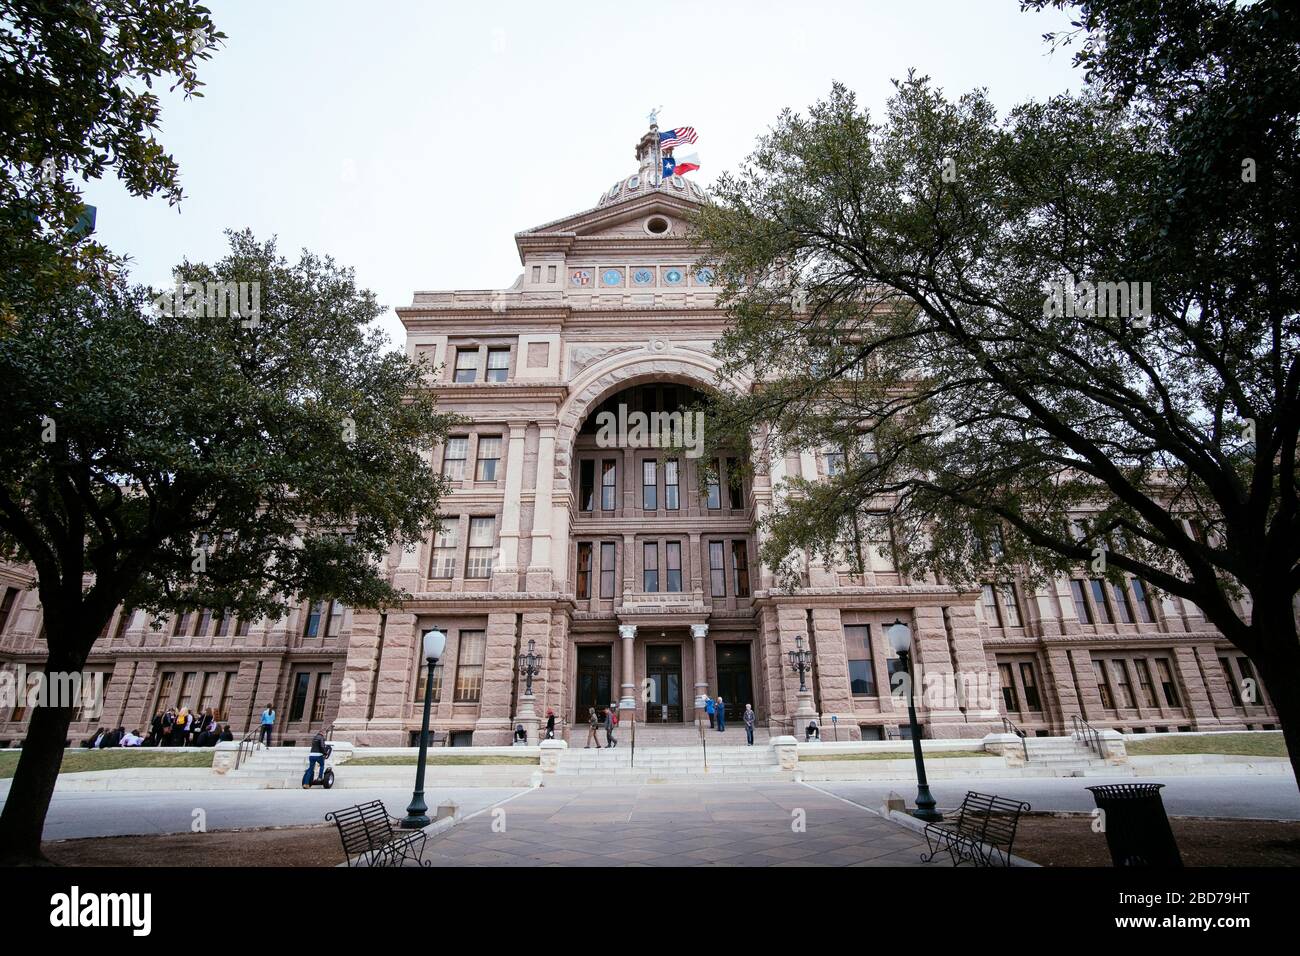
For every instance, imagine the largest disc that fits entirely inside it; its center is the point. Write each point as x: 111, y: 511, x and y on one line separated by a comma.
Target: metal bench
x: 370, y: 838
x: 981, y: 834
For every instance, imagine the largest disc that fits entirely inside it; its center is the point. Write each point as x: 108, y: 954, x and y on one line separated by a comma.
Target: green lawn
x: 1256, y: 744
x: 450, y: 760
x: 77, y: 761
x: 929, y: 755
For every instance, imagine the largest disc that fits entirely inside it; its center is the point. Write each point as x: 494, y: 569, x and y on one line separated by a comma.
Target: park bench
x: 370, y: 838
x: 981, y: 834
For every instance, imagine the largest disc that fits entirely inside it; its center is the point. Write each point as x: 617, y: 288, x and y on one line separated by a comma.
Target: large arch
x: 593, y: 385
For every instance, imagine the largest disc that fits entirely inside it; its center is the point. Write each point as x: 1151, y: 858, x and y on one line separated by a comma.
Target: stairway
x: 275, y: 766
x: 669, y: 764
x: 1067, y: 757
x: 653, y: 736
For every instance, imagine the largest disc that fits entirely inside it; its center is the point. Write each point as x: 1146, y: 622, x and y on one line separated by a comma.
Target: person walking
x: 592, y: 723
x: 708, y: 709
x: 550, y: 724
x: 611, y: 721
x: 268, y: 725
x: 721, y: 709
x: 749, y: 724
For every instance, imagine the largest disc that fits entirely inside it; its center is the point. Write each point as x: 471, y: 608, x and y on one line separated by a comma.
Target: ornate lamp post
x: 805, y: 712
x: 529, y: 667
x: 900, y: 639
x: 801, y: 663
x: 417, y: 814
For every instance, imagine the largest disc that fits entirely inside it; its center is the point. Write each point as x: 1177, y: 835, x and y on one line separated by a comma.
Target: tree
x: 77, y: 99
x: 167, y: 454
x: 1086, y: 307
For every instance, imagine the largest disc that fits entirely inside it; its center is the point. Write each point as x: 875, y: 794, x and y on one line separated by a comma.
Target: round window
x: 656, y: 225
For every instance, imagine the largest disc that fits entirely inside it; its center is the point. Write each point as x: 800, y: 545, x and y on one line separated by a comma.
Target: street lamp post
x: 417, y: 814
x: 801, y: 662
x: 529, y: 667
x: 900, y: 639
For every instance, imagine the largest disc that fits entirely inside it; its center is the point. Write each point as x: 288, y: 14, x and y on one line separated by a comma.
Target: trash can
x: 1137, y: 829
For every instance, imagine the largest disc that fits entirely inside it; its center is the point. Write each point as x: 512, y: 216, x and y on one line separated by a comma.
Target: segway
x: 326, y: 779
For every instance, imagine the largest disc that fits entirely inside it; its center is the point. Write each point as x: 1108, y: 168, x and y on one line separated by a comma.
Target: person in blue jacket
x: 708, y: 709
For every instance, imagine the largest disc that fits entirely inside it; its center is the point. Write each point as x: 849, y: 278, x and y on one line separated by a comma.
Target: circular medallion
x: 643, y: 277
x: 611, y: 277
x: 673, y: 277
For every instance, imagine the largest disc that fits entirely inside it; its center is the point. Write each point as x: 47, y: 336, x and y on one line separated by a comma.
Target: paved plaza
x: 779, y: 824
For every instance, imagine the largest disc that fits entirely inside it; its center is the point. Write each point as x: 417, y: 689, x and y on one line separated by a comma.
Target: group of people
x: 716, y: 709
x: 594, y: 722
x: 169, y: 728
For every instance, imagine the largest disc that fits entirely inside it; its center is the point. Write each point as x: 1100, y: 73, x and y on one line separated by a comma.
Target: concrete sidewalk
x: 74, y: 815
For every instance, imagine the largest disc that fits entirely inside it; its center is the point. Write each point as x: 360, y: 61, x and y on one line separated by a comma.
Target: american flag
x: 676, y: 137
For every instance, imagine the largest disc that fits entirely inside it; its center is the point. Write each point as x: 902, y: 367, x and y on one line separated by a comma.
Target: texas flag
x: 679, y: 165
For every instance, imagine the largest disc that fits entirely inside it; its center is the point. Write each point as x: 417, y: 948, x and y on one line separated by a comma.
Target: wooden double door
x: 735, y: 679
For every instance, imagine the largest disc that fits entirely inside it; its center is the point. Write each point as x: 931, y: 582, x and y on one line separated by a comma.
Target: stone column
x: 698, y: 633
x: 627, y: 701
x: 505, y: 576
x: 539, y: 575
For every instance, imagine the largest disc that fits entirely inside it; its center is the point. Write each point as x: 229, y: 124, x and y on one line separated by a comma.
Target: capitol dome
x: 647, y: 178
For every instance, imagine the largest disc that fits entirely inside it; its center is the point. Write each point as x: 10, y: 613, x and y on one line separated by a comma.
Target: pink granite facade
x: 636, y: 579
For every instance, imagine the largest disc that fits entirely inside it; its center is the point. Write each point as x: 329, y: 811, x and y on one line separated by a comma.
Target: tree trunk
x: 1278, y: 664
x: 23, y: 819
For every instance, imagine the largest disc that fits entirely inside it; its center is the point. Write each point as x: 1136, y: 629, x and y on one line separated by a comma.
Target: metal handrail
x: 1088, y: 734
x: 1013, y: 729
x: 247, y: 744
x: 704, y: 744
x: 632, y: 762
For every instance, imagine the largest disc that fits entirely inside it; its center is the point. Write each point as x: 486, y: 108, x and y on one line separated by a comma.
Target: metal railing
x: 632, y: 761
x: 247, y: 744
x: 704, y: 745
x: 1011, y: 728
x: 1084, y: 732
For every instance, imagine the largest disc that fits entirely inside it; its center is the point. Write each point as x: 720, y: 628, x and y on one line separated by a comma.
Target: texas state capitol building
x: 631, y: 582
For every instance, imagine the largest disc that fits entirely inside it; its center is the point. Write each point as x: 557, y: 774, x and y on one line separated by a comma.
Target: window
x: 537, y: 273
x: 717, y: 572
x: 834, y: 459
x: 322, y: 697
x: 223, y: 624
x: 453, y: 458
x: 1103, y: 685
x: 1081, y: 608
x: 7, y: 607
x: 244, y: 626
x: 586, y: 485
x: 1144, y: 681
x: 442, y: 563
x: 1030, y: 681
x: 1119, y: 677
x: 1010, y: 607
x: 862, y: 677
x: 1250, y: 686
x: 422, y: 676
x: 298, y: 702
x: 469, y: 667
x: 740, y: 568
x: 673, y: 557
x: 330, y: 613
x: 1167, y: 683
x: 990, y: 599
x: 1099, y: 599
x: 582, y: 588
x: 1010, y: 702
x: 672, y: 496
x: 650, y: 571
x: 607, y: 555
x: 608, y: 479
x: 1233, y: 691
x: 1122, y: 610
x: 1142, y: 600
x: 489, y: 454
x: 498, y: 365
x: 123, y: 622
x: 165, y: 684
x: 649, y: 486
x: 734, y: 486
x: 713, y: 496
x: 482, y: 541
x: 466, y: 365
x: 550, y: 273
x: 335, y: 619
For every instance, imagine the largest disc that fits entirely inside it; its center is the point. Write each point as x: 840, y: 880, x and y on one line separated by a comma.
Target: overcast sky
x: 411, y: 140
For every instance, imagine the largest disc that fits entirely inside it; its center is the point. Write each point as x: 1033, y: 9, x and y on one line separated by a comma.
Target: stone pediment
x: 651, y: 217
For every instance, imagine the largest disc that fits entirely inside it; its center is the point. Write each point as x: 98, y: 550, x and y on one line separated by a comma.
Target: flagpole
x: 658, y: 159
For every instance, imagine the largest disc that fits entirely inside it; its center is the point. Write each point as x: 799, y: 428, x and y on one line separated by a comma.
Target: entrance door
x: 664, y: 674
x: 734, y: 683
x: 594, y: 680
